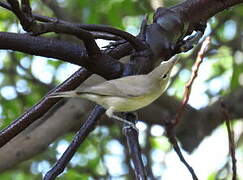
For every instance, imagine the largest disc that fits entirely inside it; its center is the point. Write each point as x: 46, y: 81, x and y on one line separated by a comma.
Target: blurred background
x: 24, y: 79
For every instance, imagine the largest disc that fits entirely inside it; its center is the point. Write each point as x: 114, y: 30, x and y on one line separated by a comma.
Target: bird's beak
x: 171, y: 62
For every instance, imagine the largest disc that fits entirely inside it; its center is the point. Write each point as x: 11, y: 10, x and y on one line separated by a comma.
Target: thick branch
x: 39, y: 109
x: 116, y: 68
x: 66, y: 51
x: 202, y: 10
x: 87, y: 127
x: 194, y: 126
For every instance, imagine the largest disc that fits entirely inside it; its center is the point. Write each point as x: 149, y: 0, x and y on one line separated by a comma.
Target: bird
x: 126, y: 94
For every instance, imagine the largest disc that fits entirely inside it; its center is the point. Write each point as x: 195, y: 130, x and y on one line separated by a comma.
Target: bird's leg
x: 110, y: 113
x: 131, y: 117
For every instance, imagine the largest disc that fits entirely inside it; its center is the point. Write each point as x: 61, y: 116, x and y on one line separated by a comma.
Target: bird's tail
x: 64, y: 94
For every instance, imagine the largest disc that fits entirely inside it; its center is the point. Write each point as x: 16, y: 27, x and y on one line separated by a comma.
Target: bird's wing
x: 130, y: 86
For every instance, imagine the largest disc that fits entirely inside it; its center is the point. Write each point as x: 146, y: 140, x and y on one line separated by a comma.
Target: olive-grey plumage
x: 127, y: 93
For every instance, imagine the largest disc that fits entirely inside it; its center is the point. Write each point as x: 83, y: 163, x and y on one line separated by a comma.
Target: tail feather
x: 64, y: 94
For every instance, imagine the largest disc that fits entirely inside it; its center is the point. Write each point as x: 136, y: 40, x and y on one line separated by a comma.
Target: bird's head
x: 162, y: 72
x: 167, y: 66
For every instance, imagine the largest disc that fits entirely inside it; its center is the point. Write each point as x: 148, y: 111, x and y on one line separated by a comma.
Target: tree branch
x: 80, y: 136
x: 116, y: 68
x: 207, y: 9
x: 66, y: 51
x: 194, y: 126
x: 39, y: 109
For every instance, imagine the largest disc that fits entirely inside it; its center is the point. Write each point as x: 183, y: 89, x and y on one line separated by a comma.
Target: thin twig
x: 171, y: 125
x: 134, y: 149
x: 173, y: 141
x: 189, y: 84
x: 81, y: 135
x: 230, y: 132
x: 134, y: 41
x: 39, y: 109
x: 106, y: 36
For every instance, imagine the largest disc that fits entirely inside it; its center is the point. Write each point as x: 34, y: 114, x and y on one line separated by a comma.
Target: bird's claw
x: 128, y: 126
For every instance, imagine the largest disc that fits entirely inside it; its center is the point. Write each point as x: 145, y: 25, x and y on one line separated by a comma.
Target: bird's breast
x: 122, y: 104
x: 125, y: 104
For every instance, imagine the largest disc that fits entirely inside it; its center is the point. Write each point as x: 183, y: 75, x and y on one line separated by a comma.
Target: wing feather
x: 130, y: 86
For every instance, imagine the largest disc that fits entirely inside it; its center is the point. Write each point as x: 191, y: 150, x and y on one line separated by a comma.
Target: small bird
x: 128, y: 93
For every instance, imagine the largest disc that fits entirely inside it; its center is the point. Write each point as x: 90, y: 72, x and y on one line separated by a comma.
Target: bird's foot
x: 131, y: 123
x: 110, y: 113
x: 128, y: 126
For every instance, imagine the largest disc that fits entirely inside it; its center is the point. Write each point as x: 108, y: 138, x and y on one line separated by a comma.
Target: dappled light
x: 51, y: 47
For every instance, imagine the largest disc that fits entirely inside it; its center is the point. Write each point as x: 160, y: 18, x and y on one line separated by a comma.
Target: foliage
x: 24, y: 79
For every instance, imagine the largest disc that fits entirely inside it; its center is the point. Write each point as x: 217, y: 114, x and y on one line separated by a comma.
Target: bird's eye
x: 164, y: 76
